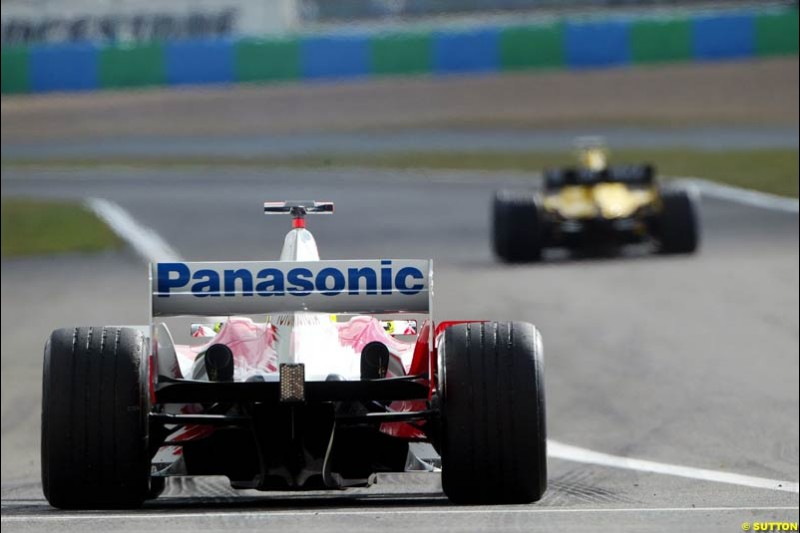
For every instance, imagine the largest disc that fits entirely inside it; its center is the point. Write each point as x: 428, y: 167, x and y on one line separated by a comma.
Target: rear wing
x: 258, y: 287
x: 298, y: 209
x: 629, y: 174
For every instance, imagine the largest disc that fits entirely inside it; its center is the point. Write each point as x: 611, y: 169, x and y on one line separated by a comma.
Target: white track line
x: 743, y: 196
x: 268, y: 513
x: 144, y: 240
x: 582, y: 455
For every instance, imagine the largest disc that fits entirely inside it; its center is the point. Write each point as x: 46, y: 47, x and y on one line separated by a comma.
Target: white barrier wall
x: 59, y: 21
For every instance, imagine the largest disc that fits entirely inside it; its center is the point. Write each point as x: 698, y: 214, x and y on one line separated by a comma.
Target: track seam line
x: 268, y: 513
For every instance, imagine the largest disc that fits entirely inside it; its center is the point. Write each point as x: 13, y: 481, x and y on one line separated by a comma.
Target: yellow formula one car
x: 594, y: 205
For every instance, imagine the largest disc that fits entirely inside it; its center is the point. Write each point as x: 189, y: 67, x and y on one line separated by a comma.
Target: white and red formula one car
x: 331, y: 389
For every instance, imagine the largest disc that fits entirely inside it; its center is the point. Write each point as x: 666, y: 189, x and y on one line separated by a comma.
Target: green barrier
x: 661, y: 40
x: 401, y: 53
x: 267, y: 60
x: 14, y: 77
x: 529, y: 47
x: 677, y: 36
x: 776, y: 34
x: 132, y: 66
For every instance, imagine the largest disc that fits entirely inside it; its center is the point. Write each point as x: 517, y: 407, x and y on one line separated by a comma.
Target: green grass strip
x: 33, y: 227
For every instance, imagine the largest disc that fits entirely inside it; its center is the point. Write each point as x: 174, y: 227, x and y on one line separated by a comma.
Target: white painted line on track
x: 144, y: 240
x: 582, y: 455
x: 743, y: 196
x: 269, y: 513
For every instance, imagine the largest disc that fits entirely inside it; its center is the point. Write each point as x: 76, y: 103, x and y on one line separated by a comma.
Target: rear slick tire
x: 493, y: 438
x: 94, y: 419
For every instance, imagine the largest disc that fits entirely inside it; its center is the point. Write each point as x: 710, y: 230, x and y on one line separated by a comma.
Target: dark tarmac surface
x: 690, y: 361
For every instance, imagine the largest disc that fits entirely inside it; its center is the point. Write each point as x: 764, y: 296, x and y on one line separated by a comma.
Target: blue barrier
x: 64, y: 67
x: 334, y: 57
x: 199, y: 61
x: 724, y: 37
x: 597, y: 44
x: 467, y: 51
x: 578, y: 43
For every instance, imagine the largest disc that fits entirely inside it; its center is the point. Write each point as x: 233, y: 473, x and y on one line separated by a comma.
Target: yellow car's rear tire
x: 518, y: 227
x: 677, y: 231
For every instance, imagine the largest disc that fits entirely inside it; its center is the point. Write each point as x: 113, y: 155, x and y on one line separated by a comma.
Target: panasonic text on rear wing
x: 228, y: 288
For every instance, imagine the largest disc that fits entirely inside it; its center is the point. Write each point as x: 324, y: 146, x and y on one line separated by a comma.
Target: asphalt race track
x: 689, y: 361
